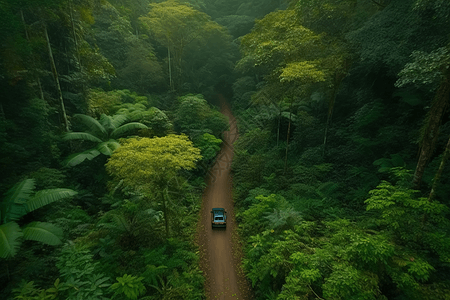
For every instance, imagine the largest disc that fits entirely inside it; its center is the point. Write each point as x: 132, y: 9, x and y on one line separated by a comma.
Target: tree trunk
x: 24, y: 25
x: 41, y: 91
x: 170, y: 70
x: 287, y: 139
x: 445, y: 157
x: 55, y: 76
x: 74, y: 35
x: 38, y: 80
x: 279, y: 122
x: 2, y: 112
x: 337, y: 83
x: 166, y: 217
x: 431, y: 133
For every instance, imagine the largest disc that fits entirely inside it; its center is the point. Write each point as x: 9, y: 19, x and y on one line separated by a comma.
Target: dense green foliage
x: 328, y: 207
x: 80, y: 80
x: 108, y: 128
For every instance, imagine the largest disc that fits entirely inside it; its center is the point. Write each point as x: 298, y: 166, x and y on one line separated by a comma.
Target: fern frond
x: 70, y: 136
x: 107, y: 148
x: 13, y: 206
x: 92, y: 124
x: 9, y: 239
x: 45, y: 197
x: 122, y: 130
x: 153, y: 214
x: 121, y: 223
x: 43, y: 232
x: 78, y: 158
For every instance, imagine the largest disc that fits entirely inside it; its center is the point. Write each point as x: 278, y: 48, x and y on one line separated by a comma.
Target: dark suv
x: 218, y: 217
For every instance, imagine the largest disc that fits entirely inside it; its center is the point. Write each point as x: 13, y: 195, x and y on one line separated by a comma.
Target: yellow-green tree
x: 293, y: 59
x: 151, y: 165
x: 175, y: 26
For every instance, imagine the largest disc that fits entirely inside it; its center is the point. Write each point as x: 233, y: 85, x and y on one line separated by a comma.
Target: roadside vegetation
x: 109, y: 124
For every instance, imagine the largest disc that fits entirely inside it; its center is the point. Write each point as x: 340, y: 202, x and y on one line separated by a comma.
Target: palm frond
x: 43, y: 232
x: 120, y: 131
x: 13, y: 206
x: 92, y: 124
x: 70, y: 136
x: 45, y: 197
x: 10, y: 234
x: 107, y: 148
x: 78, y: 158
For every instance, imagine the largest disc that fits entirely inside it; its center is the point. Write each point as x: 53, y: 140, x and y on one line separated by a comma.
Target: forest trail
x: 220, y: 249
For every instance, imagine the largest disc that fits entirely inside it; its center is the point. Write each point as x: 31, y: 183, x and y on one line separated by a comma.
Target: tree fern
x: 9, y: 239
x: 121, y: 223
x: 43, y: 232
x: 45, y: 197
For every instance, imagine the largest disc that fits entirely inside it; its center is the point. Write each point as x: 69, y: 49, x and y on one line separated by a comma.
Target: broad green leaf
x: 92, y: 124
x: 70, y: 136
x: 118, y: 120
x: 43, y: 232
x: 129, y: 127
x: 107, y: 148
x: 45, y: 197
x: 78, y: 158
x: 13, y: 206
x: 9, y: 239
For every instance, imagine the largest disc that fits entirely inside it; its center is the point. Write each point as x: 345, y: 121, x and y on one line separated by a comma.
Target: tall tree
x: 175, y: 25
x: 152, y: 165
x: 431, y: 70
x: 293, y: 58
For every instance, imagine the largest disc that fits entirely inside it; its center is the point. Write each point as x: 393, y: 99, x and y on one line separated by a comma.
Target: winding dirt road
x: 219, y: 248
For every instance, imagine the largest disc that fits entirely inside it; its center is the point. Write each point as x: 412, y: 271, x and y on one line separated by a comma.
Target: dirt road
x: 219, y: 248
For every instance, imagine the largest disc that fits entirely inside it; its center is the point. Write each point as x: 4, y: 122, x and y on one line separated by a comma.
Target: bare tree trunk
x: 38, y: 79
x: 55, y: 76
x: 170, y: 70
x: 77, y: 49
x: 166, y: 217
x: 41, y: 91
x: 2, y: 112
x: 445, y: 157
x: 24, y: 25
x: 287, y: 139
x: 279, y: 122
x: 74, y: 34
x: 337, y: 83
x: 428, y: 142
x: 330, y: 115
